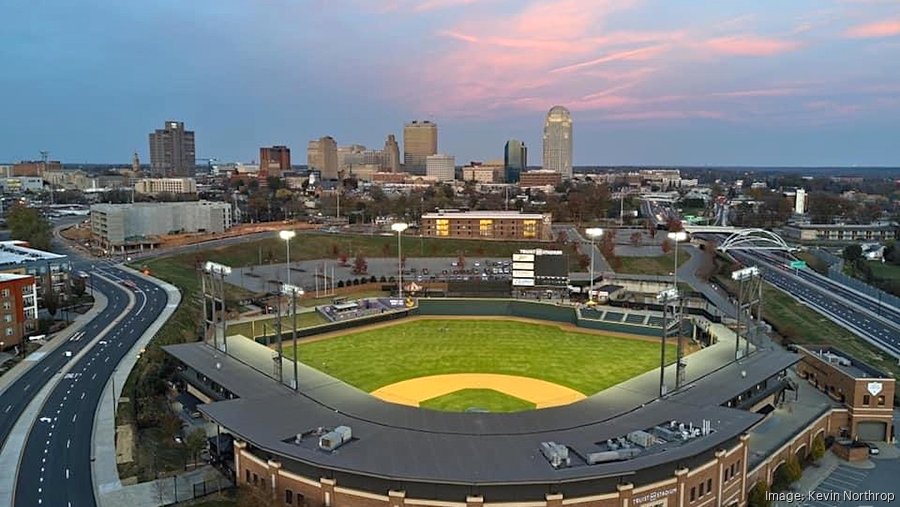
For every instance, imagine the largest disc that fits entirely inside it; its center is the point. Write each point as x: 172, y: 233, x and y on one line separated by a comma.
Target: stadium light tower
x: 742, y: 276
x: 677, y: 237
x: 293, y: 291
x: 593, y: 233
x: 399, y: 227
x: 664, y: 297
x: 214, y: 269
x: 287, y: 236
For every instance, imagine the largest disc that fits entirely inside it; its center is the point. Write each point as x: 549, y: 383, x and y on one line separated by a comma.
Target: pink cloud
x: 878, y: 29
x: 750, y: 46
x: 665, y: 115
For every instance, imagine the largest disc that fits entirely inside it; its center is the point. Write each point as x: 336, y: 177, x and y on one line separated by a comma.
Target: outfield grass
x: 659, y: 265
x: 487, y: 399
x: 266, y: 325
x: 378, y: 357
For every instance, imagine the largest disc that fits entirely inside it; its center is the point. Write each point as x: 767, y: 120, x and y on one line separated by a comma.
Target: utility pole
x: 44, y: 156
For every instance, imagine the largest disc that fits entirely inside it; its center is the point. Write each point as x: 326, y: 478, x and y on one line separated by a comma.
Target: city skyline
x: 811, y: 83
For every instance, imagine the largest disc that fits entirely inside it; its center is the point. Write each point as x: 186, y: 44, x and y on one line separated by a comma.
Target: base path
x: 540, y: 392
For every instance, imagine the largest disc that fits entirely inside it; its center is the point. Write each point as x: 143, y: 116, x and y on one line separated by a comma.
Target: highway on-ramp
x: 55, y: 467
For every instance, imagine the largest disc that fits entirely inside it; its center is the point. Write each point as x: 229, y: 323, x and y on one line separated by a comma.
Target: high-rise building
x: 391, y: 155
x: 441, y: 167
x: 349, y: 156
x: 322, y: 155
x: 274, y: 161
x: 420, y: 139
x: 135, y: 163
x: 172, y: 151
x: 558, y: 141
x: 800, y: 202
x: 515, y: 160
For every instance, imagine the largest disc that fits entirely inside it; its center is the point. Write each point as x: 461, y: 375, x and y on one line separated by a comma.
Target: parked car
x: 873, y: 449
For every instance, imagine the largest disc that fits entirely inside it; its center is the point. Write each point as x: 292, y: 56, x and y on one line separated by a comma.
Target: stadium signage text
x: 654, y: 496
x: 539, y: 251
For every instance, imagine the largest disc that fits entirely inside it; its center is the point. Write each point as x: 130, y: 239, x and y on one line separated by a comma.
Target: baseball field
x: 498, y: 365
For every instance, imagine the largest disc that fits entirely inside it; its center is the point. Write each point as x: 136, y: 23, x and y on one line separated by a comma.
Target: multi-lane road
x: 55, y: 468
x: 867, y: 317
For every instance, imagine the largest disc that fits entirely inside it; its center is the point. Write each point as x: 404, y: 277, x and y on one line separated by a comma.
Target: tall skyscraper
x: 321, y: 155
x: 274, y: 161
x: 441, y: 167
x: 515, y: 160
x: 391, y: 155
x: 420, y: 139
x: 135, y: 163
x: 558, y: 141
x: 172, y: 151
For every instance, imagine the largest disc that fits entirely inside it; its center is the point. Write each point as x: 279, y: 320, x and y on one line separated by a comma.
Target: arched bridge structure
x: 754, y: 239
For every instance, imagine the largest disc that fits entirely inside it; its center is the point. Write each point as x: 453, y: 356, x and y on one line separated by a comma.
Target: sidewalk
x: 54, y: 342
x: 813, y: 476
x: 165, y: 491
x: 108, y: 489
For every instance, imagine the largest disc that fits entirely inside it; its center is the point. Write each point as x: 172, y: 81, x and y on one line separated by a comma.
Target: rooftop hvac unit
x: 607, y: 456
x: 556, y: 454
x: 641, y: 438
x: 335, y: 438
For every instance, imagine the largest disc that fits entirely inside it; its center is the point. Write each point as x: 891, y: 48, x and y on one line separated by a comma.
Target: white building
x: 128, y: 227
x: 22, y: 184
x: 153, y: 186
x: 800, y: 202
x: 441, y: 167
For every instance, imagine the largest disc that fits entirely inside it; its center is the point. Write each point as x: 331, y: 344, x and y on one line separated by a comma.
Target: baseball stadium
x: 489, y: 402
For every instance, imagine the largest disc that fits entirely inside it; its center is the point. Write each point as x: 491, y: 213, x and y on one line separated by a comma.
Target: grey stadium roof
x: 405, y: 443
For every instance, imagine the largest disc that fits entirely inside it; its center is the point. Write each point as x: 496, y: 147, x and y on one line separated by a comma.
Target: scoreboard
x: 540, y: 268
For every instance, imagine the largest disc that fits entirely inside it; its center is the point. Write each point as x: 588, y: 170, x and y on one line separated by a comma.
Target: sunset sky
x: 689, y: 82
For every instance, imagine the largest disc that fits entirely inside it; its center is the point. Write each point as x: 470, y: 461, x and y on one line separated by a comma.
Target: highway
x: 842, y: 305
x: 19, y: 394
x: 55, y: 467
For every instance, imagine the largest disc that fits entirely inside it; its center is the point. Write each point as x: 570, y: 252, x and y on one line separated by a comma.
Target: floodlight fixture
x: 291, y: 290
x: 216, y: 268
x: 745, y: 273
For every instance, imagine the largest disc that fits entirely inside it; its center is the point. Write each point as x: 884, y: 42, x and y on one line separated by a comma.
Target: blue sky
x: 693, y: 82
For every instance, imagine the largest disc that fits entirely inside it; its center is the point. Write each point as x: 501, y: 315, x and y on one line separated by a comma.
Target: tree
x: 666, y: 246
x: 360, y: 266
x: 817, y: 450
x: 788, y: 473
x: 759, y: 495
x: 195, y: 442
x: 636, y: 239
x: 27, y: 224
x: 852, y: 253
x: 51, y: 299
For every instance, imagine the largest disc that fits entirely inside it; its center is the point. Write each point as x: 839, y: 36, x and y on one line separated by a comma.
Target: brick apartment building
x: 499, y: 225
x: 18, y: 309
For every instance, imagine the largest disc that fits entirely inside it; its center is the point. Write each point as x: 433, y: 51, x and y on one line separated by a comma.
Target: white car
x: 68, y: 353
x: 45, y: 419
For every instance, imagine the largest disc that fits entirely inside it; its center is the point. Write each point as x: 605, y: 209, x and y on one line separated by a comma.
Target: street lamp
x: 287, y: 236
x: 677, y: 237
x: 593, y: 233
x: 399, y: 227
